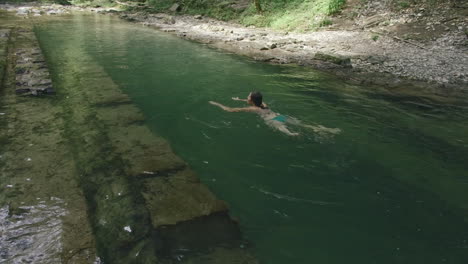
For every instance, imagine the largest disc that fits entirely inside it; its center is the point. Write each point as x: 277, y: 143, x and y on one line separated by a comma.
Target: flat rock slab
x: 215, y: 238
x: 4, y: 35
x: 179, y: 197
x: 32, y: 74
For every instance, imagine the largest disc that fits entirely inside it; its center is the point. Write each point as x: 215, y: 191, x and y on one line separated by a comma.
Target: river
x: 381, y: 178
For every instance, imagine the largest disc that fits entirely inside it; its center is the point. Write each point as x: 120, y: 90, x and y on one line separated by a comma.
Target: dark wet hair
x: 257, y: 98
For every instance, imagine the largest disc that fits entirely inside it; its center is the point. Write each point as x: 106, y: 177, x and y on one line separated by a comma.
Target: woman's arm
x: 237, y: 99
x: 231, y: 109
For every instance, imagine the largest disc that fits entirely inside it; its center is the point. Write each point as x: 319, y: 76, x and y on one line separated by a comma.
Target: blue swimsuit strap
x: 280, y: 118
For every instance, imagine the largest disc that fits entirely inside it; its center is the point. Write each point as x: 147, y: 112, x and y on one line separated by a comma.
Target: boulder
x: 335, y: 59
x: 175, y: 8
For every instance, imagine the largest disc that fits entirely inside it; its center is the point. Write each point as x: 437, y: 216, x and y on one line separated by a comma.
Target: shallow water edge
x: 81, y: 165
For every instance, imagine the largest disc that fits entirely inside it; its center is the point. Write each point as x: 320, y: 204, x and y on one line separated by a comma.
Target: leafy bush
x: 335, y: 6
x: 326, y: 22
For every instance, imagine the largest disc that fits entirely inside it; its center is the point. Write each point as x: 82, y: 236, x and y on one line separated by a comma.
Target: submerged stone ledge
x: 32, y: 74
x: 123, y: 192
x: 44, y: 215
x: 169, y: 190
x: 4, y: 36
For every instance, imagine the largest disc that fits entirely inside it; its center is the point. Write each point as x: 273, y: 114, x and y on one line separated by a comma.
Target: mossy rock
x: 335, y: 59
x: 179, y: 197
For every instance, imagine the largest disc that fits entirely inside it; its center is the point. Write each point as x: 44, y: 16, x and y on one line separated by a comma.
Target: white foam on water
x: 293, y: 199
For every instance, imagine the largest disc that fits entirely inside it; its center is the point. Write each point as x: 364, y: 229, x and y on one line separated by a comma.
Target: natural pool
x: 390, y: 188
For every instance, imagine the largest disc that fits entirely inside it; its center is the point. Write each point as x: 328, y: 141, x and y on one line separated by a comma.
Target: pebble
x: 128, y: 229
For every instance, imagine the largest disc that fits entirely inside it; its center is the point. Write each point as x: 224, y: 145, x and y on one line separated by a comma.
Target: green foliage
x: 62, y: 2
x: 160, y: 5
x: 375, y: 37
x: 295, y: 15
x: 213, y: 8
x: 326, y: 22
x: 403, y: 4
x: 335, y: 6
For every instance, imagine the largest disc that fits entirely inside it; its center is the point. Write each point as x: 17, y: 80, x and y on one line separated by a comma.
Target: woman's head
x: 255, y: 98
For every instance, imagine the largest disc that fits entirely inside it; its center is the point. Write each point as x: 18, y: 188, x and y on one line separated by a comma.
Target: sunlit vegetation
x: 300, y: 15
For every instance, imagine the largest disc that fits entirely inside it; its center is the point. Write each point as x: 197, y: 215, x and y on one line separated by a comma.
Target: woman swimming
x: 255, y: 100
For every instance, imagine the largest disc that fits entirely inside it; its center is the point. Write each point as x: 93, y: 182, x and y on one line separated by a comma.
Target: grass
x: 212, y: 8
x: 296, y: 15
x: 326, y: 22
x: 290, y: 15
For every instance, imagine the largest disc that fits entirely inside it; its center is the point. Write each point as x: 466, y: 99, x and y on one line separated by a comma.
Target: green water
x: 390, y: 188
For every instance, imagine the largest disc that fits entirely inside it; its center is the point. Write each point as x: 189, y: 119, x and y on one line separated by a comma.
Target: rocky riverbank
x: 438, y: 66
x: 364, y: 52
x: 34, y: 9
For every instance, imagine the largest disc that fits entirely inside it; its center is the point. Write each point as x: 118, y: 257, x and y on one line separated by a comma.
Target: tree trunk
x: 257, y: 6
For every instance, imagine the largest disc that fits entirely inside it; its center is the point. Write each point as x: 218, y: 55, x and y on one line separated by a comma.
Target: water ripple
x: 293, y: 199
x: 32, y: 236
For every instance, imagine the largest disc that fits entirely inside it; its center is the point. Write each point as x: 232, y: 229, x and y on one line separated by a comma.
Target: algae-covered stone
x: 120, y: 115
x: 119, y: 217
x: 179, y: 197
x: 335, y: 59
x: 214, y: 238
x: 142, y: 152
x: 45, y: 196
x: 111, y: 100
x: 223, y: 255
